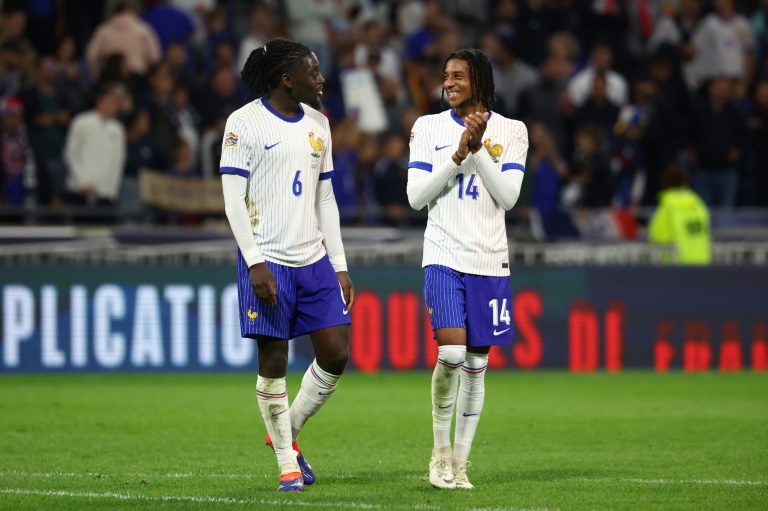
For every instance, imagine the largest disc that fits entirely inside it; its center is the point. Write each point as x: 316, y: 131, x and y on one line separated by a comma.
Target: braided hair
x: 480, y: 75
x: 267, y: 64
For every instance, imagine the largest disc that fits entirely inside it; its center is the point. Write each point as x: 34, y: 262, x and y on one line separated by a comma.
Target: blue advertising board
x: 180, y: 318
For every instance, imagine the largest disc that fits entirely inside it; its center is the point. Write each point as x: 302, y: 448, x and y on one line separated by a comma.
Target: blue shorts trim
x: 309, y: 298
x: 481, y: 305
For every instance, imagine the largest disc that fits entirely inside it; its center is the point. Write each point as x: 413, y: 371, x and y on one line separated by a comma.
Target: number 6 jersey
x: 283, y: 159
x: 466, y: 229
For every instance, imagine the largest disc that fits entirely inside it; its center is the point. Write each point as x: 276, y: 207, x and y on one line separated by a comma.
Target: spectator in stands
x: 390, y: 180
x: 666, y: 130
x: 598, y: 109
x: 676, y: 29
x: 724, y: 43
x: 681, y: 220
x: 262, y: 24
x: 14, y: 25
x: 47, y: 114
x: 141, y: 152
x: 311, y: 22
x: 23, y: 177
x: 628, y: 157
x: 758, y: 147
x: 547, y: 171
x: 186, y: 117
x: 511, y: 75
x: 373, y: 49
x: 541, y: 102
x: 127, y: 34
x: 95, y: 151
x: 10, y: 75
x: 760, y: 28
x: 180, y: 65
x: 219, y: 98
x: 158, y: 101
x: 171, y: 24
x: 72, y: 77
x: 717, y: 134
x: 183, y: 164
x: 600, y: 61
x: 591, y: 183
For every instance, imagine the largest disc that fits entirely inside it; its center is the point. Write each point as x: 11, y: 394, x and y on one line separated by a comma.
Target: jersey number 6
x: 297, y: 186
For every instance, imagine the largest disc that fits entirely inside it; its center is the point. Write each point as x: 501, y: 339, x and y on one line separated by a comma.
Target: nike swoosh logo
x: 470, y: 414
x: 278, y: 413
x: 441, y: 406
x: 345, y: 311
x: 499, y: 333
x: 442, y: 147
x: 268, y: 147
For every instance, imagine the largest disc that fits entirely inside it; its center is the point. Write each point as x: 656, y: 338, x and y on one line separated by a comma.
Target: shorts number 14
x: 500, y: 316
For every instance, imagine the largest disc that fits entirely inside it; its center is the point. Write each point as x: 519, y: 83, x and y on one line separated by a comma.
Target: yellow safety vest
x: 682, y: 219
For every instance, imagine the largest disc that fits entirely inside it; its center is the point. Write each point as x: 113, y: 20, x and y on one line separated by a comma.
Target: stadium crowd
x: 612, y: 92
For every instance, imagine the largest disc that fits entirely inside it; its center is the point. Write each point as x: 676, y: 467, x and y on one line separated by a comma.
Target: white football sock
x: 445, y: 379
x: 273, y: 403
x: 316, y: 388
x: 469, y: 404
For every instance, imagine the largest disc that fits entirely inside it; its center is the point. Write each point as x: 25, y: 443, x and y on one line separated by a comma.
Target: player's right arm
x: 236, y: 158
x: 425, y: 179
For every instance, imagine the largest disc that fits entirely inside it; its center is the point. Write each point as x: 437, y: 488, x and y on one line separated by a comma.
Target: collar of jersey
x: 277, y: 114
x: 458, y: 119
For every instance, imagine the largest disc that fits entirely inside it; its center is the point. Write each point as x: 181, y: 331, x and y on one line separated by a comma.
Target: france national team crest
x: 316, y: 143
x: 494, y: 150
x: 230, y: 140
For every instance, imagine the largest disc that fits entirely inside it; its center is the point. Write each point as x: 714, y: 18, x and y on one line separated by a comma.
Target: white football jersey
x: 466, y: 229
x: 283, y: 158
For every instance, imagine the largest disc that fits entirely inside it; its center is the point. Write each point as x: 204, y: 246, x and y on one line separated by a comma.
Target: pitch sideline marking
x: 729, y: 482
x: 201, y: 500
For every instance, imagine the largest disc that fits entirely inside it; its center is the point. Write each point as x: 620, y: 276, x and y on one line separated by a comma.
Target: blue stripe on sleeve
x: 234, y: 170
x: 420, y: 165
x: 508, y: 166
x: 326, y: 175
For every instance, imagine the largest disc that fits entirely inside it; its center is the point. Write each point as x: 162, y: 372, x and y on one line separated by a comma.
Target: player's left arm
x: 329, y: 223
x: 504, y: 179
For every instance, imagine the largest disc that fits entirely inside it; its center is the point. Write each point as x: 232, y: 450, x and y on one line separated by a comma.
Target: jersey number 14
x: 500, y: 316
x: 471, y: 190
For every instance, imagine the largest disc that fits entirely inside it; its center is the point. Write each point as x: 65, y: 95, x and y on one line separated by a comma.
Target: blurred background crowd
x: 616, y: 94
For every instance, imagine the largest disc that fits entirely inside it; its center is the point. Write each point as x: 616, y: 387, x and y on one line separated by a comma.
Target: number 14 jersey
x: 466, y: 229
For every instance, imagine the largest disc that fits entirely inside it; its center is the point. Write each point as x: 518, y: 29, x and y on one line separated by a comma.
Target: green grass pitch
x: 546, y: 441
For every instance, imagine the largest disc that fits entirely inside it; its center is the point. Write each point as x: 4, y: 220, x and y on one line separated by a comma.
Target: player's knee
x: 334, y: 361
x: 273, y: 365
x: 452, y: 355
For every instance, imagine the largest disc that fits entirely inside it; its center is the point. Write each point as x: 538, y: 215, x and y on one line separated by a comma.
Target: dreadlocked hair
x: 480, y: 74
x: 267, y: 64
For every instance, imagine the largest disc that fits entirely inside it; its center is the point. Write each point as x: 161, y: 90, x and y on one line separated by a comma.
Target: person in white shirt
x: 466, y: 165
x: 724, y: 44
x: 94, y: 150
x: 292, y: 273
x: 600, y: 61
